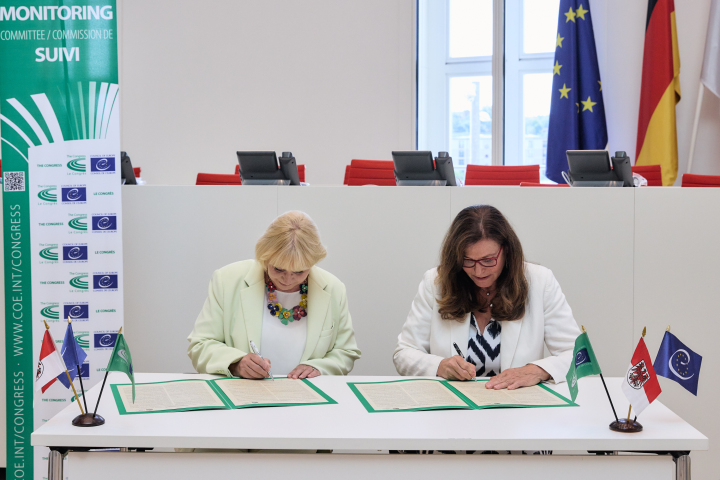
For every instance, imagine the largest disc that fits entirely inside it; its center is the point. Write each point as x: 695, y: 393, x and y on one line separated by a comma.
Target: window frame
x: 507, y: 66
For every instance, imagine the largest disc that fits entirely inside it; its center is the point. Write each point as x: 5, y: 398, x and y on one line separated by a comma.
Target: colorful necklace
x: 285, y: 315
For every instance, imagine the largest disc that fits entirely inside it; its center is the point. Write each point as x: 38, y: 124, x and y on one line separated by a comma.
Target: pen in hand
x: 457, y: 349
x: 459, y: 352
x: 257, y: 352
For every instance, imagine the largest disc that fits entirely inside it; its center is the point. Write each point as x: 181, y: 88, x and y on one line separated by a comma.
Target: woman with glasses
x: 486, y: 301
x: 280, y: 304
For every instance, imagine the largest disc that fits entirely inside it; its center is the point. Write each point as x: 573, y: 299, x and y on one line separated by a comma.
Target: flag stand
x: 93, y: 419
x: 625, y: 425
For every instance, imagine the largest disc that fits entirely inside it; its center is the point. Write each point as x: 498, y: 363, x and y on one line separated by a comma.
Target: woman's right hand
x: 456, y: 368
x: 251, y: 366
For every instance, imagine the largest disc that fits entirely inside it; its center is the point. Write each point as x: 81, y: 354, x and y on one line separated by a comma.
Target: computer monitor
x: 418, y: 168
x: 127, y: 173
x: 593, y: 168
x: 262, y: 168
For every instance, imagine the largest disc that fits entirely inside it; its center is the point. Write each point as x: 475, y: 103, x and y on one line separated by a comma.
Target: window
x: 466, y: 105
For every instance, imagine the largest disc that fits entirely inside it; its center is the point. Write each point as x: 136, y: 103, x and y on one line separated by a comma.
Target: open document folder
x: 221, y: 393
x: 427, y: 394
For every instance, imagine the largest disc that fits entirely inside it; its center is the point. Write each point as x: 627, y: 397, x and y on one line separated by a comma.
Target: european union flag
x: 577, y: 114
x: 677, y: 362
x: 72, y: 354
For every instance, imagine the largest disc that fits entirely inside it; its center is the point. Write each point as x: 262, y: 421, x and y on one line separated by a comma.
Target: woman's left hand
x: 513, y: 378
x: 303, y: 371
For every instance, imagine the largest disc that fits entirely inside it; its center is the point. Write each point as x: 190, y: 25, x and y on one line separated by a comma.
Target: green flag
x: 583, y: 364
x: 121, y: 361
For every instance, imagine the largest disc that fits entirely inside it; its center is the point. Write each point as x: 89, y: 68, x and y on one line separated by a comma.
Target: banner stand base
x: 624, y: 425
x: 88, y: 420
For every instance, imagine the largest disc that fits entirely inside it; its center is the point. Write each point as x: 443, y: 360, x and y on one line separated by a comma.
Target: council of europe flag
x: 577, y: 113
x: 73, y: 356
x: 677, y: 362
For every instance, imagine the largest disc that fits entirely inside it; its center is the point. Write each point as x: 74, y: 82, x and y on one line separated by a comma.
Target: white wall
x: 332, y: 81
x: 327, y: 80
x: 619, y: 35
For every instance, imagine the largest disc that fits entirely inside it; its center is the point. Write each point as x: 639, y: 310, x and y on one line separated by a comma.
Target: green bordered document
x: 221, y: 393
x: 411, y: 395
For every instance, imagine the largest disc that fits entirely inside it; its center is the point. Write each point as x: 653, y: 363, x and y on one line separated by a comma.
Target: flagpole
x: 82, y: 388
x: 47, y: 327
x: 695, y: 126
x: 608, y: 395
x: 105, y: 378
x: 606, y: 389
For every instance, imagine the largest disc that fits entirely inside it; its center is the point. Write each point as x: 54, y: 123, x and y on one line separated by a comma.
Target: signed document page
x: 535, y: 396
x: 282, y: 391
x: 406, y: 395
x: 167, y: 396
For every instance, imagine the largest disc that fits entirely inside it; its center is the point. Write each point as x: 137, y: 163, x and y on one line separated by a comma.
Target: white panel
x: 585, y: 236
x: 380, y: 241
x: 676, y: 283
x: 179, y: 466
x: 173, y: 240
x: 327, y: 80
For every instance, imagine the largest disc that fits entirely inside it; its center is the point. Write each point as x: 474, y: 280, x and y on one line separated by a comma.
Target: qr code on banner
x: 14, y: 181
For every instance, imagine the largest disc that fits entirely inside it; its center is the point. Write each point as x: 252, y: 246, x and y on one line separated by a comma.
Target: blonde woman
x: 295, y: 312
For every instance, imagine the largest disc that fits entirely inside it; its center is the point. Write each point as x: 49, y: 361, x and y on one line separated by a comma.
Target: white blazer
x: 426, y: 339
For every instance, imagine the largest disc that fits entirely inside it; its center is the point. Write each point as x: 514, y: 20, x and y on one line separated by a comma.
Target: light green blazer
x: 233, y: 315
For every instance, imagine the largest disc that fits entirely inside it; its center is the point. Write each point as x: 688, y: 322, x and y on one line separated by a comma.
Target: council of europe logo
x: 104, y: 222
x: 105, y: 282
x: 102, y: 164
x: 75, y: 253
x: 76, y: 311
x: 105, y: 340
x: 74, y: 194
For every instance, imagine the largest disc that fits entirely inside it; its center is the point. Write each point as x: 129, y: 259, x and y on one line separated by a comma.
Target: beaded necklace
x: 285, y: 315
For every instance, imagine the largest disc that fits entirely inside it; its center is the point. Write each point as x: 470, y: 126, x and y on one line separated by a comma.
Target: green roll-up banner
x: 60, y: 135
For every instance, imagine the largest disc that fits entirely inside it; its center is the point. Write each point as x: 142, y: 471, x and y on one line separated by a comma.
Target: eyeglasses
x: 484, y: 262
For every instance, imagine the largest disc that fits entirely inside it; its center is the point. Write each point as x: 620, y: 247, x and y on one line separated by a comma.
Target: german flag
x: 660, y: 91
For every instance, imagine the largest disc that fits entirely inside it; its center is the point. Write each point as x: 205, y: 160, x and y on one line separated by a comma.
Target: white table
x: 348, y: 427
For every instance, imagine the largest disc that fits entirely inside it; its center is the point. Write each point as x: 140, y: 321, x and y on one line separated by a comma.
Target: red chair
x: 370, y: 172
x: 301, y: 172
x: 501, y: 174
x: 217, y: 179
x: 652, y: 173
x: 529, y: 184
x: 692, y: 180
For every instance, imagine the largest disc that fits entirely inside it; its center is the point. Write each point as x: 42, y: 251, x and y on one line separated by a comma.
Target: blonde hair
x: 291, y: 242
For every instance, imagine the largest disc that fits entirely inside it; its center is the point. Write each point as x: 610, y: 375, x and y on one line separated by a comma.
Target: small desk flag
x: 50, y: 364
x: 584, y: 363
x: 121, y: 361
x: 640, y: 385
x: 577, y: 112
x: 73, y: 356
x: 677, y: 362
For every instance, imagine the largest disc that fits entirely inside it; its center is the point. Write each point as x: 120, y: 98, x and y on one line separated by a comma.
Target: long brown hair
x: 459, y: 294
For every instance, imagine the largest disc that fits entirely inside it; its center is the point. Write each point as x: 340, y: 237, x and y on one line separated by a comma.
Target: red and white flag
x: 50, y: 364
x: 641, y: 385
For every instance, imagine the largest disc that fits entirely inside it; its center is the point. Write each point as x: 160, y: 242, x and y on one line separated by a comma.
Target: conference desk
x: 358, y: 439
